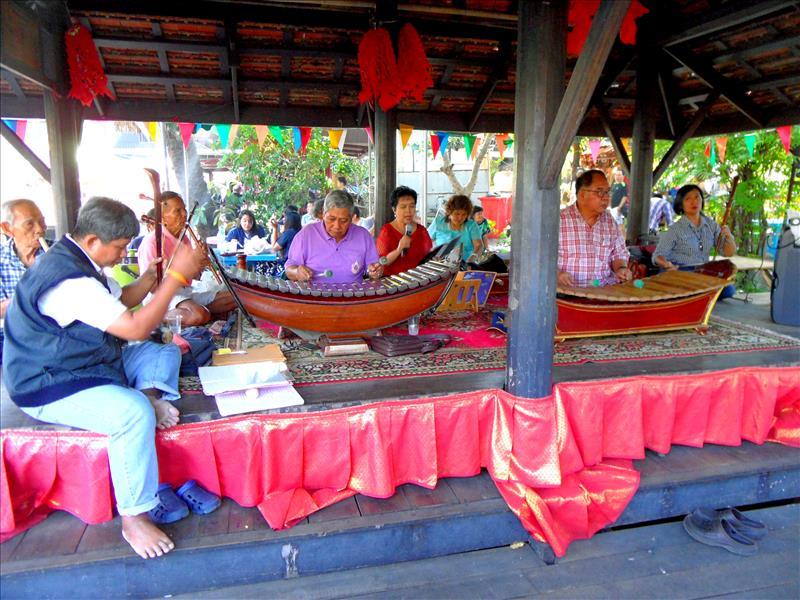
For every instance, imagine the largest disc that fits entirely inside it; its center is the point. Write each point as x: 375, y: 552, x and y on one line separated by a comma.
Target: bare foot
x: 147, y: 540
x: 166, y: 414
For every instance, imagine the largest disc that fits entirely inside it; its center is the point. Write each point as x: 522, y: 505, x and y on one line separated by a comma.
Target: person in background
x: 619, y: 191
x: 367, y: 223
x: 149, y: 228
x: 591, y: 248
x: 483, y: 226
x: 340, y: 182
x: 319, y: 208
x: 456, y: 224
x: 402, y: 251
x: 660, y: 212
x: 282, y: 240
x: 23, y: 225
x: 308, y: 217
x: 334, y: 250
x: 246, y: 229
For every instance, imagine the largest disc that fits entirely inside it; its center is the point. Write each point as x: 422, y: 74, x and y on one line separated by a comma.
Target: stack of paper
x: 249, y: 387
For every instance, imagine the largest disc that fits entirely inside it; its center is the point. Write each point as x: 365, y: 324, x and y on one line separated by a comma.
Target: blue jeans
x: 126, y: 416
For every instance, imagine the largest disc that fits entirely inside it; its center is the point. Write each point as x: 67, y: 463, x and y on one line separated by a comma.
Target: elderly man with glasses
x: 591, y: 249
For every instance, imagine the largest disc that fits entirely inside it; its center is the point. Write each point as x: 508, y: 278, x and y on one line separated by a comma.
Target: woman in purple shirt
x: 331, y: 250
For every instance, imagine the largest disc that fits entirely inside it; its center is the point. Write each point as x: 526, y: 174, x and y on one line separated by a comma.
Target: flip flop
x: 170, y: 508
x: 202, y: 502
x: 753, y: 529
x: 720, y: 533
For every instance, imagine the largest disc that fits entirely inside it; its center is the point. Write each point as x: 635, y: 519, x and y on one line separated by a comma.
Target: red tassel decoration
x: 85, y: 69
x: 579, y: 15
x: 376, y: 61
x: 413, y: 66
x: 627, y: 32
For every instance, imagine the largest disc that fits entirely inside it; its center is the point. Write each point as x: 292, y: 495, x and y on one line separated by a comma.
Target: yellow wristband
x: 179, y: 277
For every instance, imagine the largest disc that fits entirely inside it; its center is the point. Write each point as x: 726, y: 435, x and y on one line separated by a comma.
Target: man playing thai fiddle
x: 591, y: 249
x: 202, y: 298
x: 23, y: 224
x: 67, y: 360
x: 333, y: 250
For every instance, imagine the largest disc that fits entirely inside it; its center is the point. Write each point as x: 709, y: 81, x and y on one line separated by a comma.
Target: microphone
x: 408, y: 232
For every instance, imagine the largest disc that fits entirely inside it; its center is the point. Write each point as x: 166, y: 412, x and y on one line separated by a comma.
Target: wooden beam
x: 385, y: 131
x: 690, y: 130
x: 616, y: 141
x: 531, y: 315
x: 731, y: 90
x: 11, y: 79
x: 232, y: 57
x: 604, y: 30
x: 727, y: 16
x: 26, y: 153
x: 500, y: 73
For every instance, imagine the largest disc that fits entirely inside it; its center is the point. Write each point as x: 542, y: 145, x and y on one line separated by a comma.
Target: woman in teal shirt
x: 456, y: 224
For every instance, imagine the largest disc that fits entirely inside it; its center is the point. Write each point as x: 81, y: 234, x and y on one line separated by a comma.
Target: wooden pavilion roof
x: 294, y: 62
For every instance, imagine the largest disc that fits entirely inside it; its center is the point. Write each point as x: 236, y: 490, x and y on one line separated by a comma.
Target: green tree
x: 763, y: 181
x: 274, y: 176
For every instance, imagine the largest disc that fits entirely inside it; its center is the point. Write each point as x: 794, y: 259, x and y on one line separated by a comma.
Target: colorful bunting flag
x: 434, y: 144
x: 707, y: 150
x: 305, y: 136
x: 443, y: 139
x: 478, y: 142
x: 152, y: 128
x: 369, y: 134
x: 785, y: 133
x: 296, y: 139
x: 722, y: 145
x: 234, y: 132
x: 500, y: 140
x: 261, y: 134
x: 224, y: 132
x: 713, y: 157
x: 405, y: 134
x: 186, y: 130
x: 276, y: 132
x: 204, y: 126
x: 469, y: 142
x: 594, y: 149
x: 334, y: 137
x: 626, y: 143
x: 22, y: 127
x: 750, y: 143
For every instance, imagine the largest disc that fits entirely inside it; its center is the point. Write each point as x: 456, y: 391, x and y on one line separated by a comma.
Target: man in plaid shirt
x: 591, y: 249
x: 23, y: 224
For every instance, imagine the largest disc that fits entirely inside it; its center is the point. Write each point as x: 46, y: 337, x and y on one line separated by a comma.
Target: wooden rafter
x: 26, y: 153
x: 616, y: 141
x: 499, y: 74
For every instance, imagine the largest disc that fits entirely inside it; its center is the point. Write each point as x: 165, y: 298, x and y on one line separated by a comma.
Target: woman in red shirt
x: 403, y: 252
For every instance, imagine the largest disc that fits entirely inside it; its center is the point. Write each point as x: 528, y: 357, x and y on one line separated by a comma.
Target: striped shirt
x: 685, y: 244
x: 660, y: 209
x: 587, y: 252
x: 11, y: 268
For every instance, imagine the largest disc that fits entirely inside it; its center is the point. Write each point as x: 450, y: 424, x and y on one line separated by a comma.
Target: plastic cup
x: 413, y: 325
x: 174, y: 323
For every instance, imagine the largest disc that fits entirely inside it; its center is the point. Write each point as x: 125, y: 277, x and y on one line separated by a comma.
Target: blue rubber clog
x: 200, y: 501
x: 170, y: 508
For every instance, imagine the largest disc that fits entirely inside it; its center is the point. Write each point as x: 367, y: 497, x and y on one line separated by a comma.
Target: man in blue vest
x: 66, y: 359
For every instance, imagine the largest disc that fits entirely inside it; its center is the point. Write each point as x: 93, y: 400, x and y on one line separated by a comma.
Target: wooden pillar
x: 644, y: 131
x: 63, y: 132
x: 385, y: 164
x: 531, y: 314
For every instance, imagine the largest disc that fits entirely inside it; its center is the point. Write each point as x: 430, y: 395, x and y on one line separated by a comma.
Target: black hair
x: 319, y: 208
x: 108, y: 219
x: 585, y: 178
x: 249, y: 213
x: 401, y: 191
x: 476, y: 209
x: 341, y: 179
x: 291, y: 208
x: 168, y: 195
x: 292, y: 221
x: 677, y: 204
x: 356, y: 211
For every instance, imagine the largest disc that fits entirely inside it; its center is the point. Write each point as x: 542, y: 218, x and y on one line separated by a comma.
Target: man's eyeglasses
x: 602, y: 192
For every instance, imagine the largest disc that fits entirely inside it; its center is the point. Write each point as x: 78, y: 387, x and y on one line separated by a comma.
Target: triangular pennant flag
x: 707, y: 150
x: 276, y: 132
x: 342, y: 141
x: 261, y: 134
x: 369, y: 134
x: 305, y: 136
x: 434, y: 144
x: 478, y: 142
x: 22, y: 126
x: 626, y: 143
x: 152, y: 128
x: 750, y: 143
x: 205, y: 126
x: 224, y: 133
x: 469, y: 142
x: 722, y: 145
x: 186, y: 130
x: 296, y: 139
x: 713, y: 158
x: 12, y: 124
x: 785, y: 133
x: 334, y: 137
x: 234, y: 132
x: 594, y: 149
x: 500, y: 140
x: 443, y: 139
x: 405, y: 133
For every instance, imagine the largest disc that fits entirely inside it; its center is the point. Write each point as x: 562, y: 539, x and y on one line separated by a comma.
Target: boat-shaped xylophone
x: 343, y: 308
x: 668, y: 301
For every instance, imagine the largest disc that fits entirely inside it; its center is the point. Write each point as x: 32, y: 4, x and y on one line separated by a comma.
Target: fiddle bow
x: 156, y: 183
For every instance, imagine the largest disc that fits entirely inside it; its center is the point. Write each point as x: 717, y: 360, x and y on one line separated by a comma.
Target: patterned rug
x: 473, y: 349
